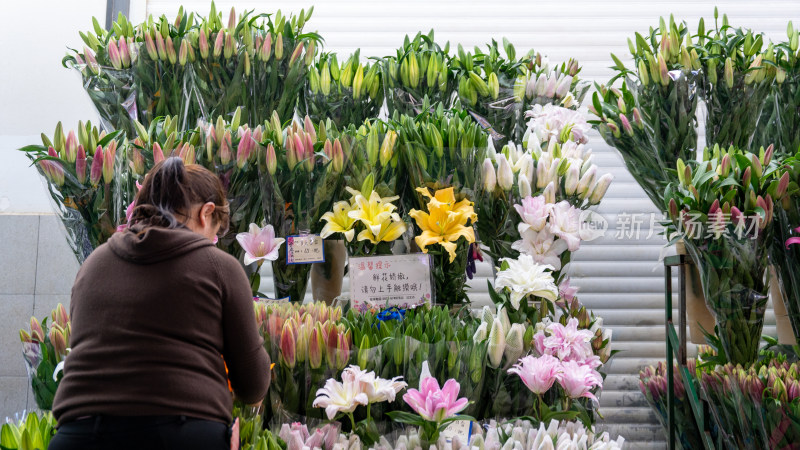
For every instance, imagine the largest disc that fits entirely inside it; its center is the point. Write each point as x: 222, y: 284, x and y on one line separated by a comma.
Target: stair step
x: 628, y: 415
x: 622, y: 399
x: 633, y: 432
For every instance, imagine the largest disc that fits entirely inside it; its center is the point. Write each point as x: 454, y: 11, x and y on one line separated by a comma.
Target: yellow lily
x: 445, y: 222
x: 390, y: 231
x: 373, y: 212
x: 339, y: 221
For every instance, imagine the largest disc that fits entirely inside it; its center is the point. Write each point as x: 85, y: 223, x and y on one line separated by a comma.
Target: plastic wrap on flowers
x: 281, y: 56
x: 79, y: 172
x: 754, y: 407
x: 300, y: 177
x: 653, y: 384
x: 417, y: 76
x: 347, y: 95
x: 735, y: 282
x: 737, y: 80
x: 486, y: 87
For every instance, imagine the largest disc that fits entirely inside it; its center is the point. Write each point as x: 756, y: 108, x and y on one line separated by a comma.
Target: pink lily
x: 434, y: 404
x: 538, y: 374
x: 793, y: 240
x: 259, y: 244
x: 578, y: 380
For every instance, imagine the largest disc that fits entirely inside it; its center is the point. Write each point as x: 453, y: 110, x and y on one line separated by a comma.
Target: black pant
x: 141, y: 433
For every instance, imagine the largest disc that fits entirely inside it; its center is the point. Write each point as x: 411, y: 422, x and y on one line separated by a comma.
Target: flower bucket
x: 698, y: 315
x: 783, y: 324
x: 327, y: 277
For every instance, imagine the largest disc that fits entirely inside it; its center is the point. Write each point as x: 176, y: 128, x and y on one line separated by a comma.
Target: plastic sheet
x: 113, y: 93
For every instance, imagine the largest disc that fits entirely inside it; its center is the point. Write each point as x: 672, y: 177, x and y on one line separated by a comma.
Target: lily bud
x: 637, y: 118
x: 746, y: 177
x: 524, y: 185
x: 271, y: 159
x: 58, y: 341
x: 219, y: 43
x: 71, y: 147
x: 514, y: 344
x: 308, y: 127
x: 600, y: 188
x: 343, y: 350
x: 550, y: 193
x: 767, y: 158
x: 673, y: 209
x: 203, y: 43
x: 244, y: 148
x: 626, y: 125
x: 124, y: 52
x: 571, y: 180
x: 266, y: 48
x: 643, y: 74
x: 725, y: 165
x: 158, y: 154
x: 586, y: 181
x: 663, y: 72
x: 309, y: 58
x: 497, y: 344
x: 387, y: 147
x: 172, y: 55
x: 183, y: 54
x: 150, y: 45
x: 783, y: 184
x: 225, y: 151
x: 37, y: 334
x: 279, y: 46
x: 729, y: 72
x: 80, y: 164
x: 288, y: 351
x: 97, y: 166
x: 91, y: 62
x: 296, y: 53
x: 316, y: 344
x: 488, y: 176
x: 24, y: 336
x: 363, y: 352
x: 505, y: 175
x: 113, y: 54
x: 614, y: 128
x: 108, y: 162
x: 228, y: 50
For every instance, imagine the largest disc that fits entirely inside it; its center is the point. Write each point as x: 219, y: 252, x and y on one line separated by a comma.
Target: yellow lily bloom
x: 373, y: 212
x: 445, y: 222
x: 390, y: 231
x: 339, y: 221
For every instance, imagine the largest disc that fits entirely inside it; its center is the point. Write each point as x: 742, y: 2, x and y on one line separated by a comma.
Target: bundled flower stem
x: 780, y: 122
x: 419, y: 71
x: 723, y: 208
x: 44, y: 349
x: 486, y: 87
x: 347, y: 95
x: 81, y: 172
x: 737, y: 79
x: 651, y: 119
x: 446, y: 232
x: 106, y: 66
x: 300, y: 175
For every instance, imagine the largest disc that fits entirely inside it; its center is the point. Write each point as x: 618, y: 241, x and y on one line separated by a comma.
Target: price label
x: 305, y: 249
x: 269, y: 301
x: 461, y: 429
x: 377, y: 282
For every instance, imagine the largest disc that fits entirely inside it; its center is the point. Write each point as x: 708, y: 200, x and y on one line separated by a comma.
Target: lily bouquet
x: 281, y: 54
x: 81, y: 172
x: 651, y: 118
x: 44, y: 348
x: 347, y: 95
x: 397, y: 341
x: 486, y: 87
x: 300, y: 175
x: 106, y: 66
x: 738, y: 77
x: 308, y: 344
x: 779, y: 123
x: 445, y: 231
x: 372, y: 216
x: 420, y: 70
x: 723, y: 207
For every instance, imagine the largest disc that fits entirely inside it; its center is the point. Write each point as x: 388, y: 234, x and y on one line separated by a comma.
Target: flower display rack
x: 676, y: 346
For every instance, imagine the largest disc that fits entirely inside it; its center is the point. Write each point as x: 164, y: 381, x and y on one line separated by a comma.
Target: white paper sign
x: 304, y: 249
x: 391, y: 280
x: 460, y: 428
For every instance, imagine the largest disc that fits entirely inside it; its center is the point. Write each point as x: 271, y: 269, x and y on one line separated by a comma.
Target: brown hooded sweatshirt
x: 152, y: 313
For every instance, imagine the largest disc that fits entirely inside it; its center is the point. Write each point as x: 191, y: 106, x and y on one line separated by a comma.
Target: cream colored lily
x: 373, y: 212
x: 339, y: 221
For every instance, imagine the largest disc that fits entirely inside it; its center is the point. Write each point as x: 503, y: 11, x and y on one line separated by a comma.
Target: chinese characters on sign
x: 391, y: 280
x: 460, y: 428
x: 304, y: 249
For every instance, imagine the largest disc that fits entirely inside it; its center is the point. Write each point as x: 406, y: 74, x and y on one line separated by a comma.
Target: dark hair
x: 171, y: 189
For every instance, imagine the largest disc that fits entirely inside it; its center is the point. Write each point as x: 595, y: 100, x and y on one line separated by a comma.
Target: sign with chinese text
x: 391, y: 280
x: 460, y: 428
x: 304, y: 249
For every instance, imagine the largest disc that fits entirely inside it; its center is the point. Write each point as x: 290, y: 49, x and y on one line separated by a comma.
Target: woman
x: 157, y: 313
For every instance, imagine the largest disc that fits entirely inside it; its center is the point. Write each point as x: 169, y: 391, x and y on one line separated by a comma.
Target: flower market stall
x: 474, y: 155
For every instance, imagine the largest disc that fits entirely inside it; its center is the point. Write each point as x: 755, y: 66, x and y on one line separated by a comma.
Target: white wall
x: 37, y: 91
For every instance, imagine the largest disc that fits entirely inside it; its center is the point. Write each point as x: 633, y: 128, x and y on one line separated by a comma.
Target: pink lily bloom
x: 538, y: 374
x: 568, y: 343
x: 434, y: 404
x: 793, y: 240
x: 578, y: 380
x: 259, y: 244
